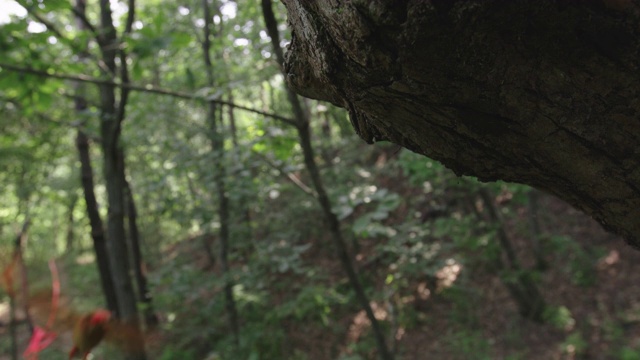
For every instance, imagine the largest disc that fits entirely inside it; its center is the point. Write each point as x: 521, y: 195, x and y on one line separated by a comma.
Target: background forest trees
x: 157, y: 156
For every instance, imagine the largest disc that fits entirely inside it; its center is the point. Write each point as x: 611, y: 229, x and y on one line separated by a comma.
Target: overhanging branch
x: 142, y: 88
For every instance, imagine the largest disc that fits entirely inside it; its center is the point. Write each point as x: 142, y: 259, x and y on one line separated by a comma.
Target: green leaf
x: 181, y: 39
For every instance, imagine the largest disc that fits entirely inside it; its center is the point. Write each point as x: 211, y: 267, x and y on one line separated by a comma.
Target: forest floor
x: 601, y: 313
x: 603, y: 316
x: 593, y: 284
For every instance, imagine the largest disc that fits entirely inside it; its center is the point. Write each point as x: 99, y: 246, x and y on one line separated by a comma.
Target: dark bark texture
x: 540, y: 92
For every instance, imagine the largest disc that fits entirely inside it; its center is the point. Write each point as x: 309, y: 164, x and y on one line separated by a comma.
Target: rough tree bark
x: 540, y: 92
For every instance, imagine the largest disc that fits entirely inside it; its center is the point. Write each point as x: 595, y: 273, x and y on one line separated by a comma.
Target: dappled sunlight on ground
x: 360, y: 323
x: 448, y: 274
x: 599, y: 318
x: 422, y: 291
x: 611, y: 259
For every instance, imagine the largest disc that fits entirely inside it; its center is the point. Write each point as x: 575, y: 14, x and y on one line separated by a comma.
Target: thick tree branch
x: 540, y: 92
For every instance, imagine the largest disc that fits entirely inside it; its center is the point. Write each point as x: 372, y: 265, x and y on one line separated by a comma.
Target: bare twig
x: 143, y: 88
x: 294, y: 179
x: 83, y: 18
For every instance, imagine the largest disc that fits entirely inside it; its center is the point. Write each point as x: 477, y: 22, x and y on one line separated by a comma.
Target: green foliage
x: 413, y: 252
x: 170, y: 352
x: 406, y: 217
x: 559, y: 317
x: 628, y: 353
x: 422, y: 171
x: 618, y: 339
x: 464, y: 311
x: 287, y: 258
x: 467, y: 344
x: 351, y: 357
x: 377, y: 204
x: 575, y: 344
x: 581, y: 261
x: 5, y: 345
x: 313, y: 303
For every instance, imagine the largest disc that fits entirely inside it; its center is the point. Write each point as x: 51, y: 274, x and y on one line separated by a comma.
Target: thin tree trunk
x: 217, y: 145
x: 232, y: 121
x: 207, y: 239
x: 327, y: 154
x: 20, y: 244
x: 505, y: 243
x: 323, y: 199
x: 114, y: 173
x: 86, y: 176
x: 13, y: 327
x: 150, y: 317
x: 69, y: 237
x: 9, y: 274
x: 521, y: 285
x: 95, y: 221
x: 538, y: 253
x: 246, y: 213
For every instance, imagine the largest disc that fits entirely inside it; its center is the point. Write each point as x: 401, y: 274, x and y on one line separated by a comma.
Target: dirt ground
x: 603, y: 316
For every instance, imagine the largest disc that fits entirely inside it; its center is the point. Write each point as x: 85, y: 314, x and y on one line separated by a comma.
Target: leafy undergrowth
x: 591, y: 283
x: 427, y: 262
x: 429, y: 257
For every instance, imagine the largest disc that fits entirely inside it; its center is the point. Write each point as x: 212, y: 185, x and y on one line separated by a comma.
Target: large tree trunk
x: 539, y: 92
